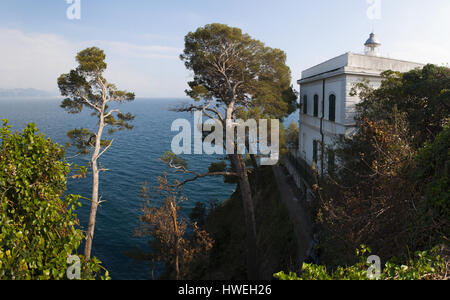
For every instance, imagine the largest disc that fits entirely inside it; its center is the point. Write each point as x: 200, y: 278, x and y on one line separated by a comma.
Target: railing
x: 304, y: 170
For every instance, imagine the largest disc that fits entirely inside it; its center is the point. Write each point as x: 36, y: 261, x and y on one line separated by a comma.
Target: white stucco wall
x: 310, y: 125
x: 351, y: 101
x: 332, y: 64
x: 376, y: 64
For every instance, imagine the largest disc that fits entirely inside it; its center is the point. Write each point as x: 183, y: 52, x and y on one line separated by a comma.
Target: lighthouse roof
x: 372, y: 41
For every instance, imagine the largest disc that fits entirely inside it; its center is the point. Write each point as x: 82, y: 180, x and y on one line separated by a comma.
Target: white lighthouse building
x: 327, y: 109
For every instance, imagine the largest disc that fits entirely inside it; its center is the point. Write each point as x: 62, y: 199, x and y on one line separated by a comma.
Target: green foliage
x: 422, y: 94
x: 390, y: 186
x: 218, y: 167
x: 292, y: 135
x: 424, y: 266
x: 433, y: 171
x: 38, y: 225
x: 85, y: 87
x: 172, y: 159
x: 83, y: 139
x: 290, y: 96
x: 231, y: 66
x: 207, y: 44
x: 92, y: 60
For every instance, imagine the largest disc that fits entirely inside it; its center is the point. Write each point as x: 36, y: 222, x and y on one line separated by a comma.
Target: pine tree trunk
x: 93, y: 213
x: 255, y: 172
x: 246, y: 194
x: 249, y: 213
x: 95, y: 186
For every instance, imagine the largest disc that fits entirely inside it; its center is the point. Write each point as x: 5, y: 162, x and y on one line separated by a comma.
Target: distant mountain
x: 25, y: 93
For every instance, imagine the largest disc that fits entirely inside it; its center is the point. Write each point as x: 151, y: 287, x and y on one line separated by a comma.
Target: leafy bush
x: 422, y: 94
x: 425, y: 266
x: 433, y: 169
x: 390, y: 185
x: 38, y: 225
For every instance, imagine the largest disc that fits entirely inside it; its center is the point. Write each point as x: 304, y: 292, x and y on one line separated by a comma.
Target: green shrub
x: 38, y: 225
x: 433, y: 169
x: 424, y: 266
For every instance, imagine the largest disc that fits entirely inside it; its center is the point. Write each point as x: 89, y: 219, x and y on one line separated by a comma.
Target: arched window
x: 305, y: 105
x: 332, y: 108
x: 315, y: 151
x: 331, y: 161
x: 316, y: 105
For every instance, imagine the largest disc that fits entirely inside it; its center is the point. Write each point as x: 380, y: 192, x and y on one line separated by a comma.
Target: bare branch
x: 106, y: 149
x: 102, y: 84
x: 86, y: 100
x: 111, y: 112
x: 211, y: 174
x: 203, y: 108
x: 183, y: 169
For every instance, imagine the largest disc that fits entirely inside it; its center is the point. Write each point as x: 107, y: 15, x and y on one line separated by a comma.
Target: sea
x: 132, y: 160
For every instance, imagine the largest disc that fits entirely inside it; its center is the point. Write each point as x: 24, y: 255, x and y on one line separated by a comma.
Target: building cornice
x: 335, y: 73
x: 345, y: 65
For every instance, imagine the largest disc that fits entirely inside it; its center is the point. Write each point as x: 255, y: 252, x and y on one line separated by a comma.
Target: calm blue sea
x: 133, y: 159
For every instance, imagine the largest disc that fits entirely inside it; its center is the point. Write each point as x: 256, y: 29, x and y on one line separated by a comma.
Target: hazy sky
x: 143, y: 39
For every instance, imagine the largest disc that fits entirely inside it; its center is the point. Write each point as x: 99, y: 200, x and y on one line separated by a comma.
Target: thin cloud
x: 35, y: 60
x: 142, y: 51
x: 424, y: 52
x: 32, y: 60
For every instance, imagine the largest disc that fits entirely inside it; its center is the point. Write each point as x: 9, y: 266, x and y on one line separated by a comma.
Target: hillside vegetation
x: 390, y: 190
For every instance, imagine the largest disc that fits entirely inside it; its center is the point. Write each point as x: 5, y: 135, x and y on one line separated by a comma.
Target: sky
x: 144, y: 38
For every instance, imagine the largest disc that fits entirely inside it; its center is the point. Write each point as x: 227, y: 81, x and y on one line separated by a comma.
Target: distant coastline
x: 31, y: 93
x: 25, y: 93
